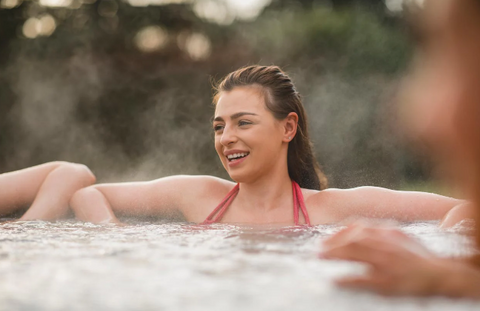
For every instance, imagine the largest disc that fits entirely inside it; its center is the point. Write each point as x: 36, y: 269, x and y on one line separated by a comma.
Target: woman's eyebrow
x: 241, y: 114
x: 236, y: 116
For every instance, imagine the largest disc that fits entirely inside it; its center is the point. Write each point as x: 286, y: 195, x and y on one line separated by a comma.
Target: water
x: 176, y: 266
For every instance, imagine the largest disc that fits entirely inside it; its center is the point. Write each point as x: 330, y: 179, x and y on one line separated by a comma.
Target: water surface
x: 72, y: 265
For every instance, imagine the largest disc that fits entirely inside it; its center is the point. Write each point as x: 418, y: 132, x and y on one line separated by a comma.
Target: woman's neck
x: 266, y: 193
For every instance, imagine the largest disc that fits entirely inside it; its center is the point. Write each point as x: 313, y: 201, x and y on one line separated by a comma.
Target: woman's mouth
x: 236, y: 158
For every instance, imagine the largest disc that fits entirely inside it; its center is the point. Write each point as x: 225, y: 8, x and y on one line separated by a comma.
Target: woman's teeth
x: 235, y: 156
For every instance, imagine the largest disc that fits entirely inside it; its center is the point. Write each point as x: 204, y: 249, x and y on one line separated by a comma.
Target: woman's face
x: 248, y: 139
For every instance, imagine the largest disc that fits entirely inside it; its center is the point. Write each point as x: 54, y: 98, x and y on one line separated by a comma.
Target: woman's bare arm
x: 101, y: 203
x: 375, y: 202
x: 45, y: 189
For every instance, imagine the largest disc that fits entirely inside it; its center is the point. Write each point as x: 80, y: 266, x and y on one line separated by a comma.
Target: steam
x: 142, y: 113
x: 50, y: 99
x: 351, y: 119
x: 50, y: 125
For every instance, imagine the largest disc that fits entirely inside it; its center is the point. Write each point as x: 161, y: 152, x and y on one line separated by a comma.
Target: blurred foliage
x: 86, y: 93
x: 355, y: 41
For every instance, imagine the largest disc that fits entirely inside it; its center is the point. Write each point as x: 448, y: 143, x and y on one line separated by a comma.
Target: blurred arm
x: 399, y: 265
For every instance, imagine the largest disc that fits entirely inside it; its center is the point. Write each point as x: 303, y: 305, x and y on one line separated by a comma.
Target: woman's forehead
x: 246, y: 99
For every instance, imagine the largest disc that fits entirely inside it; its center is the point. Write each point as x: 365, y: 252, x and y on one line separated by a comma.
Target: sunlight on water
x: 177, y: 266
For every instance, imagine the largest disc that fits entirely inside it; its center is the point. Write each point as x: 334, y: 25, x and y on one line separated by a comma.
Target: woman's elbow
x: 85, y: 174
x: 80, y: 172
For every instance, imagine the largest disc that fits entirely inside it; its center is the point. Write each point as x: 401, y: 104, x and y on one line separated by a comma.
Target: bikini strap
x: 222, y: 207
x: 299, y: 201
x: 298, y: 204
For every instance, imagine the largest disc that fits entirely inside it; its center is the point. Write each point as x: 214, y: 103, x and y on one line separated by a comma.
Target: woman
x: 44, y: 189
x: 443, y: 101
x: 262, y: 140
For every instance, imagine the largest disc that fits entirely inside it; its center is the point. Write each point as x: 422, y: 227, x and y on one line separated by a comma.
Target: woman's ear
x: 290, y: 126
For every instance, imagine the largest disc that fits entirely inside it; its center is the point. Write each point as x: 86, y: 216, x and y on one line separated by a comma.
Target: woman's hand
x: 462, y: 212
x: 399, y: 265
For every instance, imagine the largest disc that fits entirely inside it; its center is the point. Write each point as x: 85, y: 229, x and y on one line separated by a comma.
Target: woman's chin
x: 238, y: 177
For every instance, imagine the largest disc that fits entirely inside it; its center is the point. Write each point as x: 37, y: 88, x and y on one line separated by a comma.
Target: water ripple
x: 69, y: 265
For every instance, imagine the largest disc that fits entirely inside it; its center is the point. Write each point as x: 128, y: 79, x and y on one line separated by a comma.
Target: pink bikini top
x: 217, y: 214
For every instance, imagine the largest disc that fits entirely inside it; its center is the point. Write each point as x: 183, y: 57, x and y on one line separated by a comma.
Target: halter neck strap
x: 222, y: 207
x: 298, y: 200
x: 298, y: 204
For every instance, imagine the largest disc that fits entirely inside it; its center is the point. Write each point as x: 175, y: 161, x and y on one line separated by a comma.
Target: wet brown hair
x: 281, y: 98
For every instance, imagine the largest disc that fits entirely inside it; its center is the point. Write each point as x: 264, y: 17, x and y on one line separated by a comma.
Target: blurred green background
x: 124, y: 86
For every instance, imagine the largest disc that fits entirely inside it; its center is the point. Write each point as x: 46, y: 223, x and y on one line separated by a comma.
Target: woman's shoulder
x: 194, y: 183
x: 199, y: 194
x: 349, y: 193
x: 201, y: 180
x: 334, y: 204
x: 326, y: 194
x: 346, y: 197
x: 192, y: 179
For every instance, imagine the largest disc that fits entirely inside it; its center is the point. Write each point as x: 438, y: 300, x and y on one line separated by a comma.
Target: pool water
x: 72, y: 265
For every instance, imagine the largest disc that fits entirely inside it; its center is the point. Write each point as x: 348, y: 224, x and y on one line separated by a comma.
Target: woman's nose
x: 228, y: 137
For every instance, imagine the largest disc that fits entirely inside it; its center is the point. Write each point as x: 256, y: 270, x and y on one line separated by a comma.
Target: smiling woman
x: 262, y: 140
x: 270, y: 92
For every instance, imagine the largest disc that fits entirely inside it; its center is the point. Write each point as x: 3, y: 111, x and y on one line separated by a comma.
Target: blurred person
x: 441, y: 105
x: 262, y: 140
x: 44, y: 190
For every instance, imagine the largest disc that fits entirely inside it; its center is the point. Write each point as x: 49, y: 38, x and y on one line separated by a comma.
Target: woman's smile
x: 235, y: 157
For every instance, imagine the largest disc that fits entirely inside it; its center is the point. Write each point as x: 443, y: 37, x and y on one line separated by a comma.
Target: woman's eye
x: 217, y: 128
x: 242, y: 122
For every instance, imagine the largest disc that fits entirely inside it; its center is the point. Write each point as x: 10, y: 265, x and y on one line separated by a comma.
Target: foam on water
x: 178, y: 266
